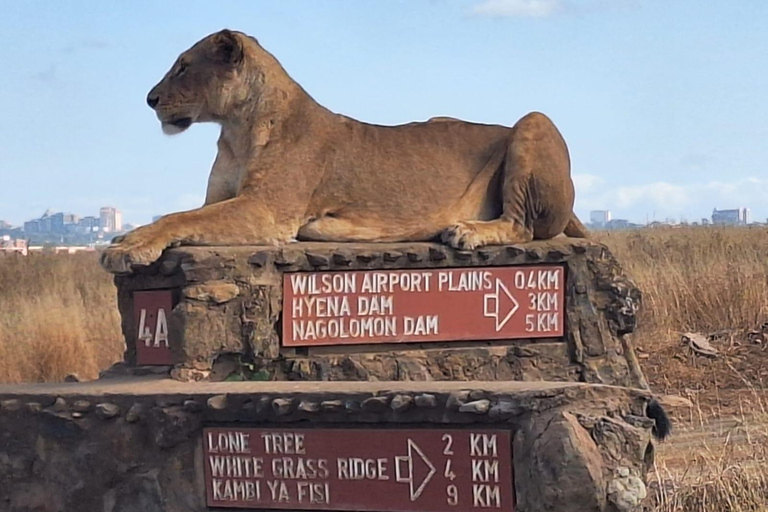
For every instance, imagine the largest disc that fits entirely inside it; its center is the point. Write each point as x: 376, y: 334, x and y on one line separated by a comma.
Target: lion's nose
x: 152, y: 101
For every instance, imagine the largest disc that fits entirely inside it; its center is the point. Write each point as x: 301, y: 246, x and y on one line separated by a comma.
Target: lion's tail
x: 662, y: 424
x: 575, y: 229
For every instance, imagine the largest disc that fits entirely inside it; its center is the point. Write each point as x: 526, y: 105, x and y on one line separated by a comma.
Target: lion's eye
x: 181, y: 68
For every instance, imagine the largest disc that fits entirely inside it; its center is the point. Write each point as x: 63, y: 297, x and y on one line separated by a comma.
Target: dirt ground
x: 728, y: 419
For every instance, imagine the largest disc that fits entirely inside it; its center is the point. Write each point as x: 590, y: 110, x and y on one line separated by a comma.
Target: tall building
x: 599, y: 217
x: 110, y: 219
x: 733, y: 217
x: 118, y: 220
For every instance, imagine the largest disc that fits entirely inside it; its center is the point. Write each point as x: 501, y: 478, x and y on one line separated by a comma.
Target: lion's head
x: 203, y: 84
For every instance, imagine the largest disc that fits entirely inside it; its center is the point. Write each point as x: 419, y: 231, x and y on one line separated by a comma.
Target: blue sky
x: 662, y: 103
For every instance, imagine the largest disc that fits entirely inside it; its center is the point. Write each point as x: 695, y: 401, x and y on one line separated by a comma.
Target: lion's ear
x: 228, y: 47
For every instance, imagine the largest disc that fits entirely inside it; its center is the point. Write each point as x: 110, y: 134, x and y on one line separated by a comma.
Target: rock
x: 282, y: 406
x: 217, y: 403
x: 81, y: 406
x: 72, y: 377
x: 425, y: 400
x: 192, y: 406
x: 10, y: 405
x: 352, y: 406
x: 134, y: 413
x: 375, y: 403
x: 503, y: 409
x: 456, y: 400
x: 33, y: 407
x: 308, y: 406
x: 563, y: 467
x: 476, y: 407
x: 699, y: 344
x: 107, y: 410
x: 674, y: 402
x: 317, y: 260
x: 476, y: 394
x: 401, y: 403
x: 627, y: 492
x: 60, y: 405
x: 218, y: 292
x: 332, y: 405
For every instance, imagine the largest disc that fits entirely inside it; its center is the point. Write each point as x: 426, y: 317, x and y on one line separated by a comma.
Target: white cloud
x: 526, y: 8
x: 662, y: 199
x: 659, y: 194
x: 547, y: 8
x: 586, y: 182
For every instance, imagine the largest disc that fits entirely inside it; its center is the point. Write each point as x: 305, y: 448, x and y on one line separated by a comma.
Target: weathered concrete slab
x: 138, y: 444
x: 228, y: 312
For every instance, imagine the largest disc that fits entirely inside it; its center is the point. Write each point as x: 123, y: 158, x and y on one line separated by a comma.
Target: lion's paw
x: 462, y: 236
x: 124, y: 257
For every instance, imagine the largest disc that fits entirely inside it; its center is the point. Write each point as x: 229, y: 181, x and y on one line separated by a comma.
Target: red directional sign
x: 423, y: 305
x: 150, y: 312
x: 374, y: 470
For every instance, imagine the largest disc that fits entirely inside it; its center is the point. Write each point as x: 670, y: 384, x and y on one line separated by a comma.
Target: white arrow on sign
x: 501, y: 292
x: 415, y: 491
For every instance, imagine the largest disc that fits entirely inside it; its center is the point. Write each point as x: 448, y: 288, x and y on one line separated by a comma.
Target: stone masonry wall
x: 136, y: 446
x: 230, y: 299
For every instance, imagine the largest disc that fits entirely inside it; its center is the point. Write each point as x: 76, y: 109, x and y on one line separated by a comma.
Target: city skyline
x: 660, y: 103
x: 743, y: 214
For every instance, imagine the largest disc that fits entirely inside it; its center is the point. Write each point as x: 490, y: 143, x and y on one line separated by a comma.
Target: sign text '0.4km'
x: 423, y: 305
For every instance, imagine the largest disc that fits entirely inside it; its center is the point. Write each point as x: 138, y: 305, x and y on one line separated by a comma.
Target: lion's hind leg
x: 537, y: 190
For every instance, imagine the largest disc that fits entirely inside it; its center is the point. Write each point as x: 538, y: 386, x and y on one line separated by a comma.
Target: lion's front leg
x: 233, y: 222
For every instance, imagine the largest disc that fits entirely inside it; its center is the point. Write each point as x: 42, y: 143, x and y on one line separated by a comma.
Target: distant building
x: 32, y: 226
x: 10, y: 245
x: 110, y: 219
x: 734, y: 217
x: 87, y: 226
x: 617, y: 224
x: 5, y: 225
x: 599, y: 218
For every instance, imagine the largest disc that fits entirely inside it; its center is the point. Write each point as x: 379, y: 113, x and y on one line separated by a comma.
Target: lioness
x: 287, y: 168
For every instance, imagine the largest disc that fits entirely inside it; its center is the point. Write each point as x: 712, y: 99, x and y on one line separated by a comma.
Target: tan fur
x: 288, y: 168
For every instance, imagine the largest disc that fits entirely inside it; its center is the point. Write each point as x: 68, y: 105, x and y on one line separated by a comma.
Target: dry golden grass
x: 714, y: 464
x: 705, y: 280
x: 696, y: 279
x: 58, y: 315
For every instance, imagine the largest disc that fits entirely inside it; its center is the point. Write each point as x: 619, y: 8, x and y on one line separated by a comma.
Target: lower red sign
x: 423, y: 305
x: 150, y: 312
x: 376, y: 470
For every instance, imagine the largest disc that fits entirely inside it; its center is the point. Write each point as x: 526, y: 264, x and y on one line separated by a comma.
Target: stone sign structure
x: 151, y: 444
x: 557, y: 310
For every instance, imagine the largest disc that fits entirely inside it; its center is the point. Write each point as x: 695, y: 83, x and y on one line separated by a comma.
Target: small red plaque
x: 423, y: 305
x: 381, y: 470
x: 151, y: 310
